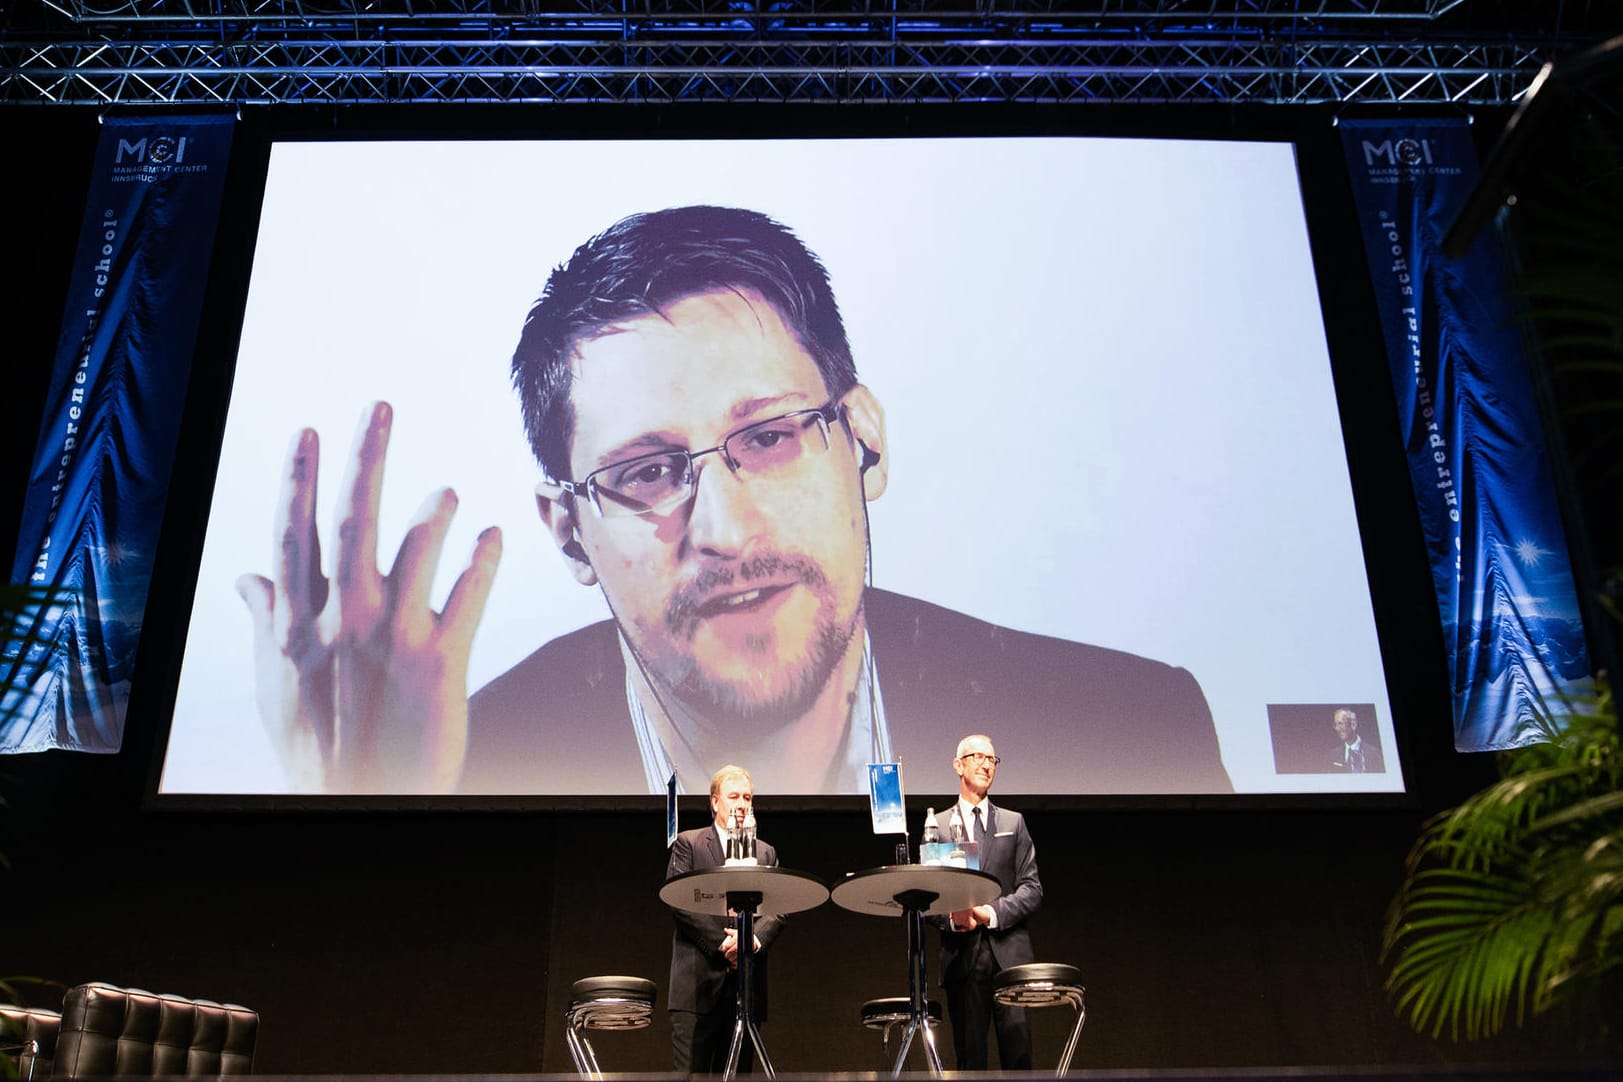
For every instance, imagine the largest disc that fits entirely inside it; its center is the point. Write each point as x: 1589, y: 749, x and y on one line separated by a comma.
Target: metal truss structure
x: 241, y: 52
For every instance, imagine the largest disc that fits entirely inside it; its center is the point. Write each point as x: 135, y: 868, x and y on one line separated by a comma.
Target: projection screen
x: 1110, y: 522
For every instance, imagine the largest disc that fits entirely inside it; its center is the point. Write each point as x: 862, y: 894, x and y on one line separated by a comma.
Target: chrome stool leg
x: 886, y: 1015
x: 932, y: 1055
x: 580, y: 1050
x: 1076, y: 1032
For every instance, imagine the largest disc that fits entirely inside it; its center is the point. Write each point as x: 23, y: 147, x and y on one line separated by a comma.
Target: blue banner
x: 101, y: 469
x: 1476, y: 451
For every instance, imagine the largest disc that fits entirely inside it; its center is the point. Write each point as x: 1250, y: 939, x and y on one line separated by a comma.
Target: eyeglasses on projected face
x: 656, y: 483
x: 973, y: 757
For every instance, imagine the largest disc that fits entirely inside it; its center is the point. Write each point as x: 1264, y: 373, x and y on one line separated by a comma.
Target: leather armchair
x: 28, y: 1035
x: 111, y: 1031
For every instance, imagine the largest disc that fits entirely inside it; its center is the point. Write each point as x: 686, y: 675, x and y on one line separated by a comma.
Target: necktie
x: 975, y: 831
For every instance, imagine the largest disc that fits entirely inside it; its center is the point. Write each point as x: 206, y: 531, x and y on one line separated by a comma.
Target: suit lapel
x: 712, y: 845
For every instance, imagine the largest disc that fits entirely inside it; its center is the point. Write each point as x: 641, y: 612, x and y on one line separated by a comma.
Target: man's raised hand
x: 361, y: 685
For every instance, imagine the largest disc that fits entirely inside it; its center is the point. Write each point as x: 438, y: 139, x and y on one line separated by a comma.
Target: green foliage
x: 1513, y: 901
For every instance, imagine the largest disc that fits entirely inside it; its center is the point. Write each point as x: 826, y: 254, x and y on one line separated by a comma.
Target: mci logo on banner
x: 160, y: 150
x: 155, y: 157
x: 1405, y: 159
x: 1395, y: 152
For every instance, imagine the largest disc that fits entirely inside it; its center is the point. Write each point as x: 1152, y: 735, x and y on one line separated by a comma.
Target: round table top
x: 705, y: 890
x: 874, y: 891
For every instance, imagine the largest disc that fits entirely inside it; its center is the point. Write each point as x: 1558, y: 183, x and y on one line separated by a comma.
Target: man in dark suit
x: 704, y: 949
x: 977, y: 943
x: 1354, y: 755
x: 688, y: 388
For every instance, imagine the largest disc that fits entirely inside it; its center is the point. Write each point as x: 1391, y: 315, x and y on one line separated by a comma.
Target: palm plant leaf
x: 1514, y: 899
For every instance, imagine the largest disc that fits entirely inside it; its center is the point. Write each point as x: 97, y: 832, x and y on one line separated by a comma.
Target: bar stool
x: 1044, y: 984
x: 892, y: 1011
x: 609, y: 1003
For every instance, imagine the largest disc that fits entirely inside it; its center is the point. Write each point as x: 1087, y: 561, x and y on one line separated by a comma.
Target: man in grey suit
x: 977, y: 943
x: 704, y: 949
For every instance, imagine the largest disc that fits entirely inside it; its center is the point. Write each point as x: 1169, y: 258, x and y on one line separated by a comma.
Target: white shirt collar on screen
x: 867, y: 739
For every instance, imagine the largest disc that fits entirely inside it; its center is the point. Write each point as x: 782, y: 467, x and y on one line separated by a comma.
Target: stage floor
x: 1481, y: 1073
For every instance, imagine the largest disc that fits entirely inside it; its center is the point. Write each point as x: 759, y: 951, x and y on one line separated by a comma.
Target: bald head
x: 1346, y: 723
x: 976, y: 765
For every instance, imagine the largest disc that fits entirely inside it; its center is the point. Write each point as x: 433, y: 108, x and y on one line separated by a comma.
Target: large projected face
x: 736, y: 580
x: 1117, y: 533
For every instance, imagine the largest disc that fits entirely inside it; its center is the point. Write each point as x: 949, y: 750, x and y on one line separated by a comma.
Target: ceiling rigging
x: 263, y: 52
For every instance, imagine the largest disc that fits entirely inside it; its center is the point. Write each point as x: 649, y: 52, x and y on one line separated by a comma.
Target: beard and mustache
x: 781, y: 693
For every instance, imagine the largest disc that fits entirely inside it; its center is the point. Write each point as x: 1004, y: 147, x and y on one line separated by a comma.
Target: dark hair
x: 646, y: 262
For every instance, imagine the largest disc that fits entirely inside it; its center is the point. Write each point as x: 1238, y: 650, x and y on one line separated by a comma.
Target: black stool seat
x: 1036, y: 984
x: 879, y: 1013
x: 612, y: 1002
x: 609, y: 1003
x: 1045, y: 984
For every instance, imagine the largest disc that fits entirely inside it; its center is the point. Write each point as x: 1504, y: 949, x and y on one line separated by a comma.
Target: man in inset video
x: 1355, y: 755
x: 688, y: 388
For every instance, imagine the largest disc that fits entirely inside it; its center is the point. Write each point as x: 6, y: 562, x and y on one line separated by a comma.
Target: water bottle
x: 930, y: 837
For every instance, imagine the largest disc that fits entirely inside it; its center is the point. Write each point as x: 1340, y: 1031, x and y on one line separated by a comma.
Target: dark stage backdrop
x: 417, y: 942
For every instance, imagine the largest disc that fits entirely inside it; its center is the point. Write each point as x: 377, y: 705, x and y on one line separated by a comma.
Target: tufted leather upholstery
x: 108, y: 1031
x: 29, y: 1035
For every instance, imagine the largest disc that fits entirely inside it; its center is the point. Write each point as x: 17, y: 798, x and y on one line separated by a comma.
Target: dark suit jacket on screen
x: 699, y: 970
x: 1373, y: 763
x: 1069, y: 717
x: 1007, y: 853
